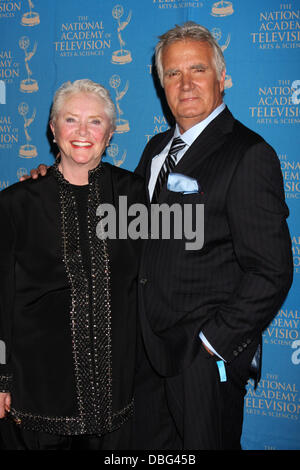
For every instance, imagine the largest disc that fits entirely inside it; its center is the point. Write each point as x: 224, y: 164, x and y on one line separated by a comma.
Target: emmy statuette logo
x: 30, y: 18
x: 27, y: 150
x: 113, y: 151
x: 28, y: 85
x: 122, y: 124
x: 122, y: 56
x: 217, y: 34
x: 222, y: 8
x: 21, y: 172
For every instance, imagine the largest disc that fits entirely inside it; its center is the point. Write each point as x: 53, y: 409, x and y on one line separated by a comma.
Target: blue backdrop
x: 44, y: 43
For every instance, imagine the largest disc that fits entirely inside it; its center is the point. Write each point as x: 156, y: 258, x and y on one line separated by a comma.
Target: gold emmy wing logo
x: 28, y: 85
x: 122, y: 124
x: 122, y: 56
x: 30, y: 18
x: 222, y: 8
x: 27, y: 150
x: 217, y: 34
x: 113, y: 151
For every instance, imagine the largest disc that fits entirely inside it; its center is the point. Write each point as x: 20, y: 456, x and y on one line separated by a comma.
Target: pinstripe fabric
x: 167, y: 166
x: 231, y: 289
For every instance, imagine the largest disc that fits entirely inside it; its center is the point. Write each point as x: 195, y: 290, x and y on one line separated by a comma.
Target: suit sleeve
x: 257, y: 214
x: 6, y: 293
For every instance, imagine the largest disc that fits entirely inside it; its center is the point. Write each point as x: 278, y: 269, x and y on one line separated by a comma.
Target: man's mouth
x: 188, y: 98
x: 81, y: 144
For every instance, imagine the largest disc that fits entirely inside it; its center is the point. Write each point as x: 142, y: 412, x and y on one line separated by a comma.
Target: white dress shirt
x: 188, y: 137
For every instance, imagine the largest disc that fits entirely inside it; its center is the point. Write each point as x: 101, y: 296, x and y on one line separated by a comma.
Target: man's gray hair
x: 83, y: 86
x: 194, y: 32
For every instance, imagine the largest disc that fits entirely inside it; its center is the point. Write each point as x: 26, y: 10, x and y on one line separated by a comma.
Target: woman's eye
x: 70, y: 119
x: 96, y: 121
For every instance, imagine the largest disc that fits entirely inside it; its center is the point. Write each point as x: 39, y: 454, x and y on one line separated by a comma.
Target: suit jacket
x: 233, y: 286
x: 68, y: 304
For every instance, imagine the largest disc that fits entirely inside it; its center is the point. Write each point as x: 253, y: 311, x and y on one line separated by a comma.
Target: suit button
x: 240, y: 349
x: 235, y: 353
x: 143, y: 281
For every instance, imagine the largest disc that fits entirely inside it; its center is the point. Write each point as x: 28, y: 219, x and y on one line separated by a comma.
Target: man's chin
x: 188, y: 120
x: 186, y: 112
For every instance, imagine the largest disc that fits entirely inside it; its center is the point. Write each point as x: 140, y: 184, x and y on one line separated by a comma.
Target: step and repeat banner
x: 44, y: 43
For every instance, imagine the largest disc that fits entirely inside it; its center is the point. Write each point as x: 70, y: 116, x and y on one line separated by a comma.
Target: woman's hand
x: 5, y: 400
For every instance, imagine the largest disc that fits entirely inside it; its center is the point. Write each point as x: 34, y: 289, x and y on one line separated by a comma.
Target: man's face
x: 190, y: 81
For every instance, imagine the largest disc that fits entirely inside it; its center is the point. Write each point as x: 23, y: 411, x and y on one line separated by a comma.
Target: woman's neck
x: 77, y: 174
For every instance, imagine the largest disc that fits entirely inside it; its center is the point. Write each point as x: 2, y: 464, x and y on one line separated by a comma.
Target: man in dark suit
x: 203, y: 311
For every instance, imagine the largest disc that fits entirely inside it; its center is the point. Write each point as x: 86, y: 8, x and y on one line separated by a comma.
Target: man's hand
x: 5, y: 401
x: 41, y: 170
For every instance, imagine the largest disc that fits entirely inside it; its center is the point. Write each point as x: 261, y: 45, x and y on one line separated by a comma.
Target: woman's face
x: 82, y: 130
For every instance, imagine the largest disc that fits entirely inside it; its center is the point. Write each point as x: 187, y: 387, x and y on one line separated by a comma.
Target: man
x: 203, y: 311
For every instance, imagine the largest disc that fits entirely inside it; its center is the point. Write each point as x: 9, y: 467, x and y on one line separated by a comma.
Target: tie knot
x: 176, y: 146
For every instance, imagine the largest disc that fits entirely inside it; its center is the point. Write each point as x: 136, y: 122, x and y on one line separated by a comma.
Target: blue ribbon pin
x: 222, y: 371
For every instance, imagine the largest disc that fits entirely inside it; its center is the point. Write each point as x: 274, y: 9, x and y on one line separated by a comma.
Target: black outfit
x: 230, y: 289
x: 68, y: 304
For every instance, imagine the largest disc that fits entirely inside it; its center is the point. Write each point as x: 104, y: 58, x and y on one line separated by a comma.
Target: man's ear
x: 222, y: 81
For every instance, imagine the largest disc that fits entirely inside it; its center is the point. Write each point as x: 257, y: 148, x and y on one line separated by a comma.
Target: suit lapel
x: 207, y: 142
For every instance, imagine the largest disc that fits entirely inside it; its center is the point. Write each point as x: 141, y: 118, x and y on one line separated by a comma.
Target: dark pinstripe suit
x: 230, y: 289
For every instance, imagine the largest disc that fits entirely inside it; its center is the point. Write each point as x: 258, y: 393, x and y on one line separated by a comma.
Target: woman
x: 67, y: 297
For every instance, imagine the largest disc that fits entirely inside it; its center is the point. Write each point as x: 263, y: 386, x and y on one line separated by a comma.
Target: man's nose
x: 186, y: 81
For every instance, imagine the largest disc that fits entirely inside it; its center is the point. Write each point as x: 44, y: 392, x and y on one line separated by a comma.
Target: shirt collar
x: 191, y: 134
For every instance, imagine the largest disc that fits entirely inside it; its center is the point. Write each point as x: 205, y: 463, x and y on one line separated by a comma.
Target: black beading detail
x: 5, y: 383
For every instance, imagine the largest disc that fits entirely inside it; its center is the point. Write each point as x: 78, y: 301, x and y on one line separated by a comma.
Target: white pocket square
x: 182, y: 184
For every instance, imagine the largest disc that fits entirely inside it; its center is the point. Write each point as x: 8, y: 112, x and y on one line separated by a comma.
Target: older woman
x: 68, y: 297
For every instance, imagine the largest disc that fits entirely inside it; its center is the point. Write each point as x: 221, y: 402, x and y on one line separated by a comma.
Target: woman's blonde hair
x: 83, y: 86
